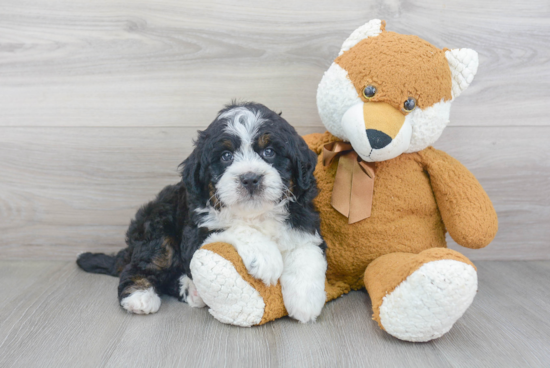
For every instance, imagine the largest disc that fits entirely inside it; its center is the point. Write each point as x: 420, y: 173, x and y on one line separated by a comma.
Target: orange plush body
x: 389, y: 96
x: 416, y: 197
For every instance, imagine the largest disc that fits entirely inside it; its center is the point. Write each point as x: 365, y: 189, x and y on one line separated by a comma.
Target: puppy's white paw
x: 189, y: 293
x: 304, y: 302
x: 141, y: 302
x: 261, y: 256
x: 263, y: 263
x: 303, y: 283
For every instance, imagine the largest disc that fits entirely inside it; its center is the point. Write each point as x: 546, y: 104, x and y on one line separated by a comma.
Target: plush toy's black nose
x: 251, y: 181
x: 378, y: 139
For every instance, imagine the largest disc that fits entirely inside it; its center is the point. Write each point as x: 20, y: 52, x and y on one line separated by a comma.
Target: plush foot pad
x: 231, y: 299
x: 427, y: 304
x: 141, y: 302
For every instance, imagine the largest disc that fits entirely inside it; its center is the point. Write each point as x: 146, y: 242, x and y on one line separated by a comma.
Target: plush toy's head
x: 388, y: 93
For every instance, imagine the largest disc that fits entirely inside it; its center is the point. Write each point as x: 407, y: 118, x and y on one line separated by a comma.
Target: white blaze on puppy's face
x: 247, y: 165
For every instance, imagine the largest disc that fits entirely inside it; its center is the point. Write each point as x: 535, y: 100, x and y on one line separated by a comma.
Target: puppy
x: 249, y: 182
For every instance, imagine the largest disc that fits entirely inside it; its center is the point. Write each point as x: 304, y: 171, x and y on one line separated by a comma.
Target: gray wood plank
x: 514, y: 169
x: 68, y: 190
x: 16, y: 277
x: 173, y: 63
x: 63, y: 320
x: 71, y: 318
x: 507, y: 324
x: 345, y: 336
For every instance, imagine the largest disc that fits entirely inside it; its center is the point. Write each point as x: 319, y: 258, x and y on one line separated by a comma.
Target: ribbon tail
x: 362, y: 190
x: 353, y: 184
x: 342, y: 186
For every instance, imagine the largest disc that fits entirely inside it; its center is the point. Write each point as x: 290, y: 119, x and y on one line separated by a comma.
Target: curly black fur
x: 165, y: 233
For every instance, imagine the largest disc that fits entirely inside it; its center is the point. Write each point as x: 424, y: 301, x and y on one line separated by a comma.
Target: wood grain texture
x: 100, y: 100
x: 173, y: 63
x: 513, y: 165
x: 63, y: 317
x: 68, y: 190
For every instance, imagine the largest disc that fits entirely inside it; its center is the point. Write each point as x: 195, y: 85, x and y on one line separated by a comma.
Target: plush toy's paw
x: 189, y: 293
x: 231, y: 299
x: 141, y: 302
x: 263, y: 262
x: 427, y: 304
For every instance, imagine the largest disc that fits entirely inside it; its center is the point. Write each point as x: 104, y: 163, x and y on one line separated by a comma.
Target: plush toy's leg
x: 418, y: 297
x: 235, y: 297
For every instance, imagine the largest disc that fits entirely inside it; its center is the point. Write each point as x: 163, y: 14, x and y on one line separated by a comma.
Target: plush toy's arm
x: 466, y: 209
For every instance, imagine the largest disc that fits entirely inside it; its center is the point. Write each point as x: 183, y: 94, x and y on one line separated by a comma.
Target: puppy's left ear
x: 304, y: 164
x: 193, y: 170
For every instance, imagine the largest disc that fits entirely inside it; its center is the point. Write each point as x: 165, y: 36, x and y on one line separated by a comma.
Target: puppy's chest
x: 266, y: 230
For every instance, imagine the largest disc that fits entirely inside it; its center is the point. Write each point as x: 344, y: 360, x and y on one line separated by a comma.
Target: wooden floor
x: 55, y: 315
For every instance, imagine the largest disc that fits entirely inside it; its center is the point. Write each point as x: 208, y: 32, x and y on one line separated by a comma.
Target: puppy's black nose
x: 251, y: 181
x: 378, y: 139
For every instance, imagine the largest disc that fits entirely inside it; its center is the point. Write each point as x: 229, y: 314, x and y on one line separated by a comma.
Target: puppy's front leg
x: 260, y: 255
x: 303, y: 282
x: 262, y: 259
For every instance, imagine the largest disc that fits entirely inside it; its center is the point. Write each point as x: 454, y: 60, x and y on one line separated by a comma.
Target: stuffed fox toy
x: 386, y: 197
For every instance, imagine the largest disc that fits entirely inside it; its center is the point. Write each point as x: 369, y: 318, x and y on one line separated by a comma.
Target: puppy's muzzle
x: 251, y: 182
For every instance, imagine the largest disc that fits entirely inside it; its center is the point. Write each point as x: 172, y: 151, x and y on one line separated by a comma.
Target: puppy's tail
x: 103, y: 263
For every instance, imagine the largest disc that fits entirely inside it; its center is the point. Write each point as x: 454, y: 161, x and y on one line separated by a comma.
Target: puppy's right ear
x: 192, y: 169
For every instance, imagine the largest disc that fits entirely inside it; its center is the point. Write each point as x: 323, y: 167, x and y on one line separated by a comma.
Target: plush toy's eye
x: 369, y: 91
x: 227, y: 156
x: 268, y: 153
x: 409, y: 105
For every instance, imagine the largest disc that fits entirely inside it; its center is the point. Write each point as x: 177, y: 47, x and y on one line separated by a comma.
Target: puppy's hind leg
x: 188, y: 293
x: 137, y: 293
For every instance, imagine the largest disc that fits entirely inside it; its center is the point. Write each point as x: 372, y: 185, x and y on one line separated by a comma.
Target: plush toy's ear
x: 371, y: 29
x: 463, y: 64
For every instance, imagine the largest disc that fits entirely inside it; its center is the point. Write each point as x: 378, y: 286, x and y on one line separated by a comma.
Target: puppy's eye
x: 227, y: 156
x: 409, y: 105
x: 369, y: 91
x: 268, y: 153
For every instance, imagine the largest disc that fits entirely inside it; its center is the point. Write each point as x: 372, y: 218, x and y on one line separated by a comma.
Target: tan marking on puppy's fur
x: 139, y: 283
x: 213, y: 197
x: 291, y: 185
x: 399, y: 66
x: 264, y: 141
x: 163, y: 260
x: 227, y: 144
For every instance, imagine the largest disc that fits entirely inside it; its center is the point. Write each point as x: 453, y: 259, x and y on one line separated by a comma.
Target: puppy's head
x: 249, y: 159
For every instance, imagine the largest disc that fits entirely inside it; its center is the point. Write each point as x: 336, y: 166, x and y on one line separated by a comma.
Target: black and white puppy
x: 249, y: 182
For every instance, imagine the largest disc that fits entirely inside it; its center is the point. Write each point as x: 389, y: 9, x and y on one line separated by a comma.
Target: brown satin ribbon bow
x: 354, y: 182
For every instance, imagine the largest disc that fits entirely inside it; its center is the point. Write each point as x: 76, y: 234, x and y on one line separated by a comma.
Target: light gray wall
x: 99, y: 101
